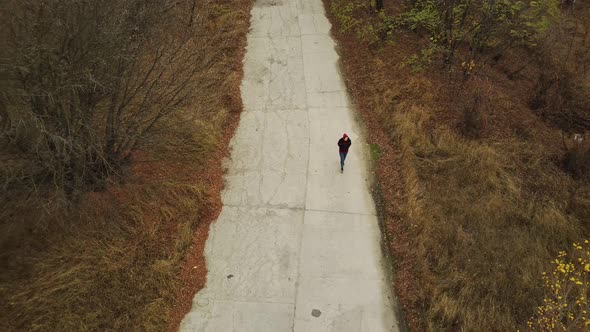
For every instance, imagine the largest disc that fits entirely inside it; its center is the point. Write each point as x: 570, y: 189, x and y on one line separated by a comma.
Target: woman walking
x: 344, y: 144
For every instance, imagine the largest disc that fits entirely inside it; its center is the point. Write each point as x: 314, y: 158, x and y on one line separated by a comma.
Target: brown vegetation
x: 479, y: 186
x: 137, y: 160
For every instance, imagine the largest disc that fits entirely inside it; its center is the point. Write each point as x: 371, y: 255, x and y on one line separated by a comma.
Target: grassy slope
x: 471, y: 223
x: 119, y: 261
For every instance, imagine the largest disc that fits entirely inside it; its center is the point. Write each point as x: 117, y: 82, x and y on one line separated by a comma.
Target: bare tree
x: 85, y: 83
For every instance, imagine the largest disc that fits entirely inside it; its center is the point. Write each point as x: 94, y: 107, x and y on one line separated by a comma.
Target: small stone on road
x: 316, y: 313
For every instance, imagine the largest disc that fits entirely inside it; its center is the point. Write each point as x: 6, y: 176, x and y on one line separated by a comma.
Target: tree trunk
x: 379, y: 4
x: 190, y: 23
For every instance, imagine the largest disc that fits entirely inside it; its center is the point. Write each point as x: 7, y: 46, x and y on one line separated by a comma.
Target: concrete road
x: 297, y: 244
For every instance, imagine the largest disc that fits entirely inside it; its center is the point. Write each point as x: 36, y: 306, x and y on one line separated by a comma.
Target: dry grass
x: 115, y: 269
x: 115, y: 261
x: 483, y: 237
x: 473, y: 218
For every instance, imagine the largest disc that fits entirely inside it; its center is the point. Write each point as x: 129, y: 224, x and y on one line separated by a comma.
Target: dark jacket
x: 344, y: 145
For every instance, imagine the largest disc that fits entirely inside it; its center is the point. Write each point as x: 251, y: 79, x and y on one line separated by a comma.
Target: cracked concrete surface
x: 297, y: 244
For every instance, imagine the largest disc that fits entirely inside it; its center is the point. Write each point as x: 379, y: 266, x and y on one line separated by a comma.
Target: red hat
x: 344, y: 136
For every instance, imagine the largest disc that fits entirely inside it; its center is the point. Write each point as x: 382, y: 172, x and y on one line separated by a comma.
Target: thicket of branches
x: 131, y: 96
x: 84, y: 84
x: 465, y: 36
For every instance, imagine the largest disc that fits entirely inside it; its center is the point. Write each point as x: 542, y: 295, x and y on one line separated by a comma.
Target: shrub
x: 577, y: 158
x: 566, y: 306
x: 479, y: 25
x: 359, y: 18
x: 473, y: 116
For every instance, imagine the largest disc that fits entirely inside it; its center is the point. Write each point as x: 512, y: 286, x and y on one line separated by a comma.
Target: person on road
x: 344, y: 144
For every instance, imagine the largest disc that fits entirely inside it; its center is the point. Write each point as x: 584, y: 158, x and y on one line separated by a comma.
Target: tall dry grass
x: 113, y: 262
x: 483, y: 237
x: 115, y: 269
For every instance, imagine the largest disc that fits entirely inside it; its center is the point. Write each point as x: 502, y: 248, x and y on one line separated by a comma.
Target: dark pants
x: 342, y: 158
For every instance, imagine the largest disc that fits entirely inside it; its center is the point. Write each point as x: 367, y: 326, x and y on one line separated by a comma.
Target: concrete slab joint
x: 296, y: 246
